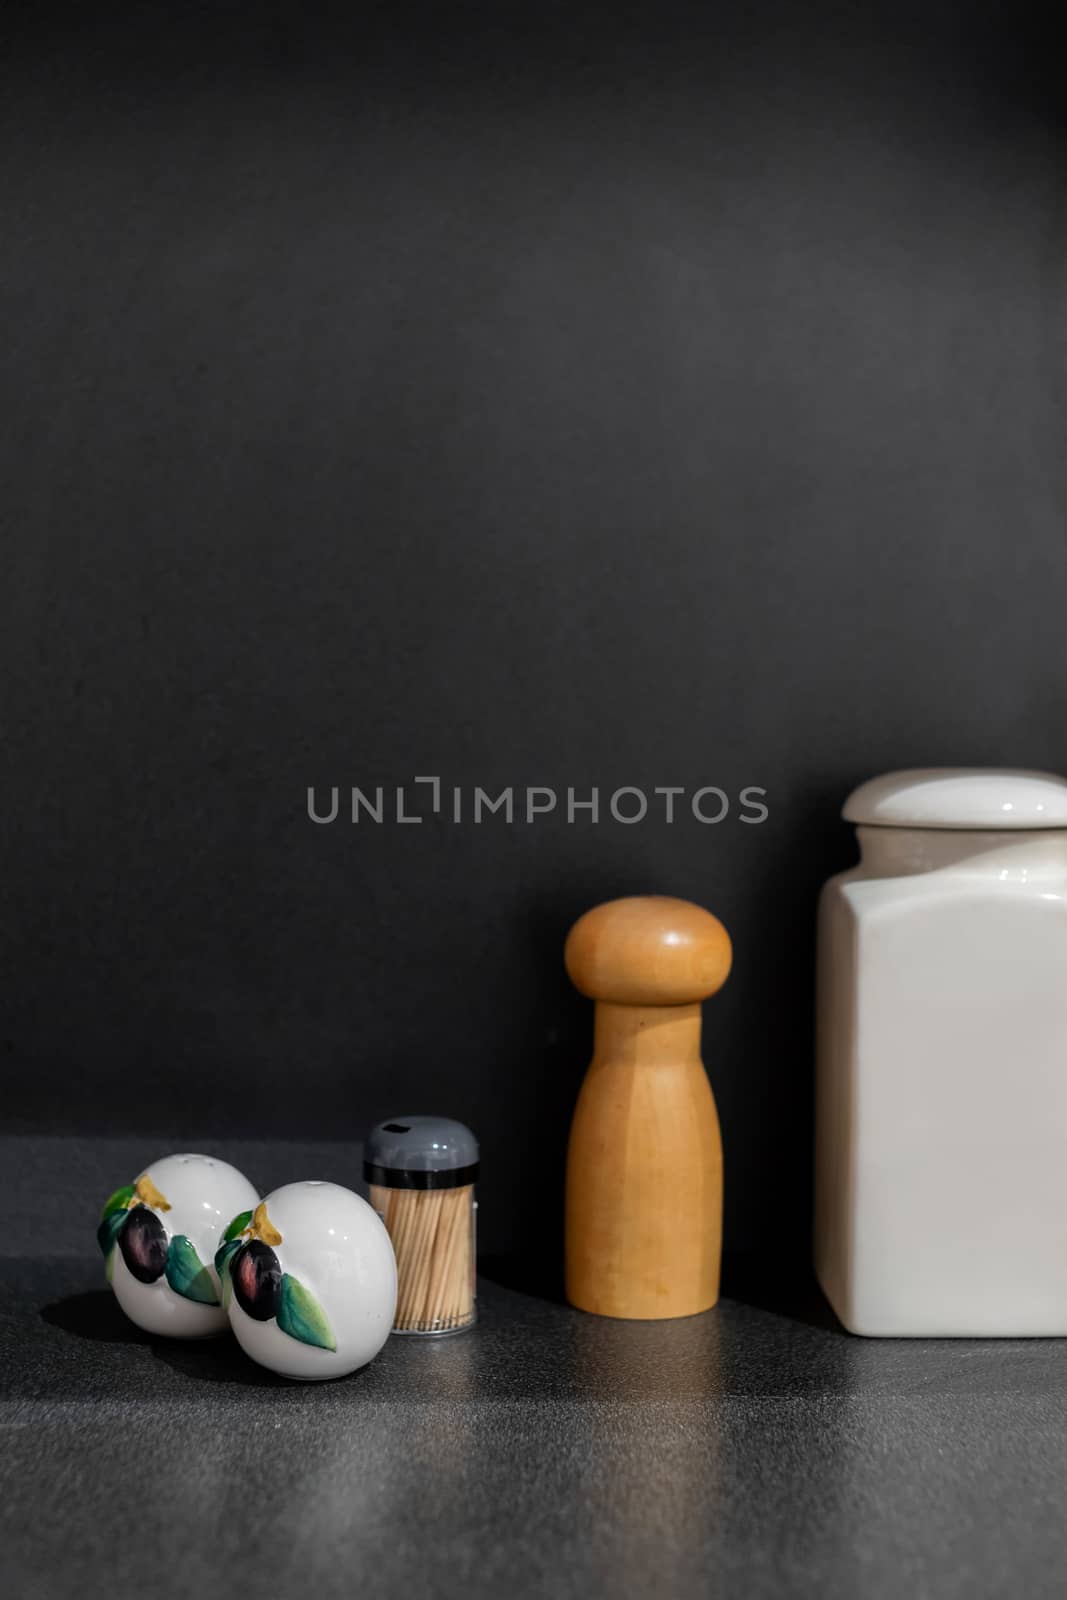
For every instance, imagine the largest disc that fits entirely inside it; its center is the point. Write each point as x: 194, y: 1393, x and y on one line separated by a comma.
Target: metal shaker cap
x: 420, y: 1153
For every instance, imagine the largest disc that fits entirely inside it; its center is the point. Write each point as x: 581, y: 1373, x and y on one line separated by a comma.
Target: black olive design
x: 257, y: 1280
x: 143, y: 1242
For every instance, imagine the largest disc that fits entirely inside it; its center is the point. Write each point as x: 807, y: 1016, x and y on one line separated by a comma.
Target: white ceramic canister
x: 941, y: 1099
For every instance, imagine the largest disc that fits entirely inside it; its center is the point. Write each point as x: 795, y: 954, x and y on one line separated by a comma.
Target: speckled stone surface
x: 753, y: 1451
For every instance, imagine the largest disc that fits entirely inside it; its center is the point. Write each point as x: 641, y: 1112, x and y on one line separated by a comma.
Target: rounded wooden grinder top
x: 644, y: 1164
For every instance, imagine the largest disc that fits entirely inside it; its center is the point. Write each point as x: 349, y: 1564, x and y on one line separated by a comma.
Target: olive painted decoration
x: 144, y: 1245
x: 251, y: 1274
x: 257, y: 1280
x: 158, y: 1236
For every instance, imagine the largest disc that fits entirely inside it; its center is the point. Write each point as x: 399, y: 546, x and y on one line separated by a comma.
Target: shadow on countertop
x: 95, y: 1316
x: 781, y: 1288
x: 63, y: 1340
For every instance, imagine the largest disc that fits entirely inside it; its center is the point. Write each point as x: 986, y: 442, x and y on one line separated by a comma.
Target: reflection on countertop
x: 545, y: 1453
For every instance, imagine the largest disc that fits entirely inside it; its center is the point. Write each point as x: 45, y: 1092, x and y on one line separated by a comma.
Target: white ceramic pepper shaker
x: 941, y: 1103
x: 159, y: 1235
x: 308, y: 1281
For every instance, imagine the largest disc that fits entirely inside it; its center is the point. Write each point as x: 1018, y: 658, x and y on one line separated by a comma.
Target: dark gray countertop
x: 752, y: 1451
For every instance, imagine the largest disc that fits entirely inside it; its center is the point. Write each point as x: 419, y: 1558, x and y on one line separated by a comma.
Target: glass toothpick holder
x: 421, y: 1173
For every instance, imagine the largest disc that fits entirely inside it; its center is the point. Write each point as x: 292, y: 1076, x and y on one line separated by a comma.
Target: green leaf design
x: 301, y: 1316
x: 238, y: 1225
x: 223, y: 1261
x: 118, y: 1201
x: 225, y: 1254
x: 110, y: 1228
x: 109, y: 1265
x: 187, y: 1274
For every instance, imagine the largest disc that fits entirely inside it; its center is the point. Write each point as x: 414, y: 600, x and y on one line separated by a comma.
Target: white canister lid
x: 960, y: 797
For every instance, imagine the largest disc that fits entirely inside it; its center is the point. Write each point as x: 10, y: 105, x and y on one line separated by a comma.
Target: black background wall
x: 522, y: 396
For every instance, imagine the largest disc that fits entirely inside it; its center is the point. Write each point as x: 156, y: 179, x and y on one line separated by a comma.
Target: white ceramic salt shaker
x: 309, y: 1281
x: 159, y: 1235
x: 941, y: 1104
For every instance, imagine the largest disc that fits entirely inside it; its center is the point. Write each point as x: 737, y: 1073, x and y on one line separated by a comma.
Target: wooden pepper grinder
x: 644, y: 1165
